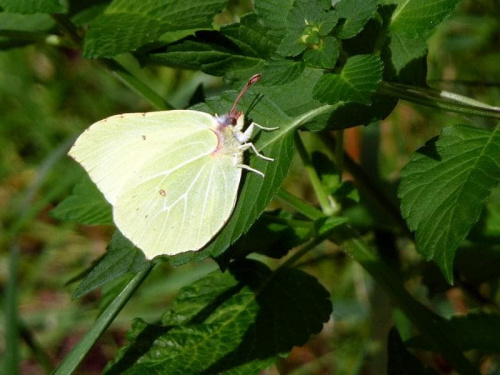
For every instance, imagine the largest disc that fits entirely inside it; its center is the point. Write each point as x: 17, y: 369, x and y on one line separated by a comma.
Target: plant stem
x: 299, y: 205
x: 439, y: 99
x: 372, y: 192
x: 429, y: 324
x: 313, y: 176
x: 77, y: 354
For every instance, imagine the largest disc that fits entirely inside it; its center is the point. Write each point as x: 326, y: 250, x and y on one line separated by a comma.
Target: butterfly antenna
x: 234, y: 114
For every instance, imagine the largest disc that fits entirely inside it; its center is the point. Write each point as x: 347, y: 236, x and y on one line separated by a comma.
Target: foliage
x: 325, y: 66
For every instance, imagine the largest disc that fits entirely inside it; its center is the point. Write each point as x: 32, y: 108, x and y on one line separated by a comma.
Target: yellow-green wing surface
x: 170, y: 192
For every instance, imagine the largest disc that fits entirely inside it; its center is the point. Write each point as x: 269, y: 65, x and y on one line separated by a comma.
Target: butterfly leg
x: 244, y: 166
x: 246, y: 146
x: 247, y: 134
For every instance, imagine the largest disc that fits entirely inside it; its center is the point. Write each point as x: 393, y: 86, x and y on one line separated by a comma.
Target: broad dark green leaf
x: 126, y: 25
x: 307, y: 24
x: 357, y: 82
x: 356, y: 14
x: 410, y: 24
x: 279, y: 72
x: 445, y: 186
x: 215, y: 323
x: 86, y: 205
x: 237, y: 50
x: 34, y: 6
x: 325, y: 55
x: 273, y: 14
x: 256, y: 192
x: 417, y: 18
x: 121, y: 258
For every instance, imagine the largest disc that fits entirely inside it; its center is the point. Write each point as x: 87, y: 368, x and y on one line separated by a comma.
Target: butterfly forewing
x: 116, y: 148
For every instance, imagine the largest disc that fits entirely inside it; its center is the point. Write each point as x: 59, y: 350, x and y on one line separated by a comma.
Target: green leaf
x: 400, y: 50
x: 256, y: 192
x: 86, y: 205
x: 400, y: 360
x: 237, y: 51
x: 324, y: 55
x: 273, y: 14
x: 34, y: 6
x: 357, y: 82
x: 279, y: 72
x: 121, y: 258
x: 215, y: 323
x: 445, y: 186
x: 126, y: 25
x: 356, y: 14
x: 307, y: 24
x: 417, y: 18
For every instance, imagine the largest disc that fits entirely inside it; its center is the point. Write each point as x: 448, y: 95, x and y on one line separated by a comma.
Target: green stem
x: 428, y: 324
x: 307, y: 247
x: 77, y: 354
x: 439, y: 99
x: 299, y: 205
x: 372, y: 192
x: 323, y: 198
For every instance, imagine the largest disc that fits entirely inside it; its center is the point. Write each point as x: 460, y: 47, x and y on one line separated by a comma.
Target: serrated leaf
x: 273, y: 13
x: 445, y: 186
x: 237, y: 50
x: 291, y: 44
x: 85, y: 205
x: 307, y: 24
x: 417, y: 18
x: 34, y: 6
x: 215, y: 323
x: 325, y: 55
x: 121, y: 258
x: 126, y: 25
x: 400, y: 50
x: 356, y: 14
x: 279, y: 72
x: 473, y: 331
x: 357, y: 82
x: 256, y: 192
x: 400, y: 360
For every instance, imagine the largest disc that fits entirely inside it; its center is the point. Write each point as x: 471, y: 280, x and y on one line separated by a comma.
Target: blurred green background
x: 48, y: 95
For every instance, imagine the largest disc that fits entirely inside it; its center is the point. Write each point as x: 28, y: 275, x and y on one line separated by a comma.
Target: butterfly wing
x: 180, y: 208
x: 169, y: 192
x: 115, y: 149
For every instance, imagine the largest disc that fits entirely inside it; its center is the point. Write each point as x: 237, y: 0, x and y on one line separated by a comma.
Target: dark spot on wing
x: 143, y: 114
x: 163, y: 193
x: 144, y: 137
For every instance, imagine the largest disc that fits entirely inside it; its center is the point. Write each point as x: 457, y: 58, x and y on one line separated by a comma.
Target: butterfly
x: 172, y: 177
